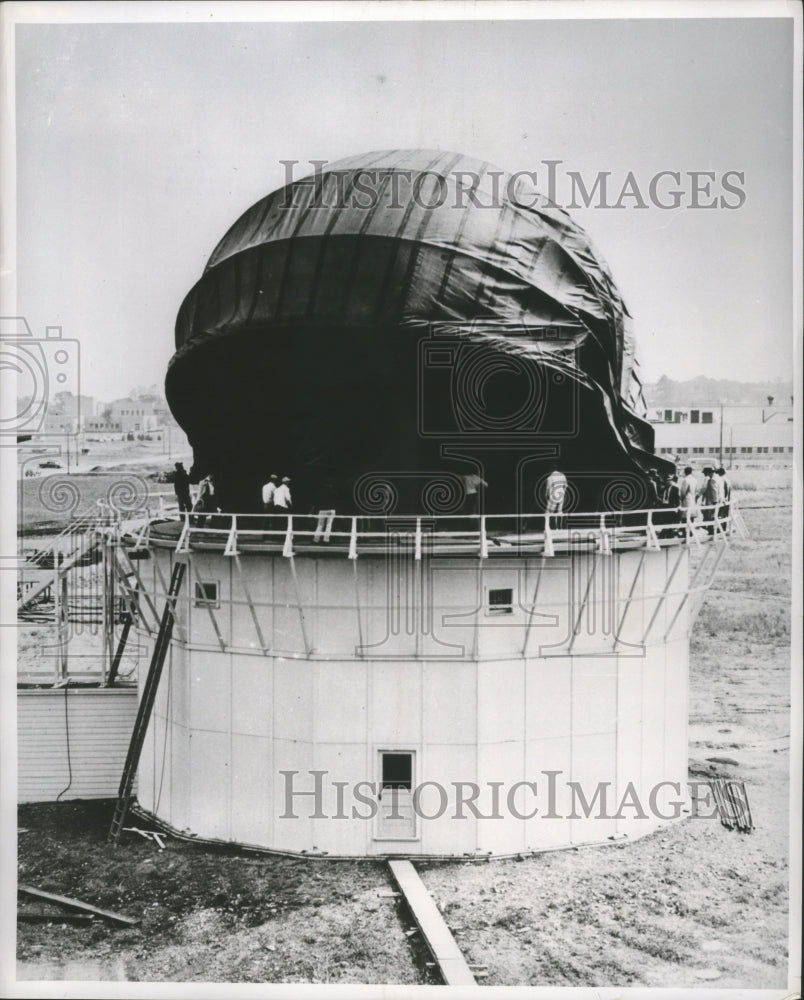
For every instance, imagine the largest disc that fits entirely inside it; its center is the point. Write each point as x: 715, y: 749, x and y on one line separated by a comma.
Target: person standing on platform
x: 325, y: 507
x: 671, y: 499
x: 181, y: 487
x: 556, y: 490
x: 283, y: 502
x: 268, y: 493
x: 709, y: 496
x: 688, y: 490
x: 205, y: 502
x: 655, y: 489
x: 472, y: 485
x: 672, y: 492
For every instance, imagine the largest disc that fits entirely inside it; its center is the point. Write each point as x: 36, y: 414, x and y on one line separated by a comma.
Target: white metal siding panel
x: 549, y: 828
x: 346, y: 763
x: 209, y: 784
x: 395, y: 717
x: 442, y: 834
x: 629, y: 738
x: 100, y: 722
x: 252, y: 789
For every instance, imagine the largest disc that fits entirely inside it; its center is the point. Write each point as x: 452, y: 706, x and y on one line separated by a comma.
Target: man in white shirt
x: 282, y: 498
x: 268, y: 493
x: 556, y: 490
x: 688, y: 489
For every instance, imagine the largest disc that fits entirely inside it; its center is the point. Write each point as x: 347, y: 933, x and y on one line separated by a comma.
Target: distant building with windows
x: 740, y: 434
x: 135, y: 416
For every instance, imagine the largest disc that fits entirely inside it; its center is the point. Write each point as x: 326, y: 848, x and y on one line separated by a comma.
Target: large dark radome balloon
x: 401, y: 319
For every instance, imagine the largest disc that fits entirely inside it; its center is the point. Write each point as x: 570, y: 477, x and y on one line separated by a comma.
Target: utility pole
x: 721, y: 436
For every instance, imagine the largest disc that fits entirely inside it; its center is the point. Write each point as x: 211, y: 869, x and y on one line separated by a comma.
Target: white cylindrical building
x: 419, y: 699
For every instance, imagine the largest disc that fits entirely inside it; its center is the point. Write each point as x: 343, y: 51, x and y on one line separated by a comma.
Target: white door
x: 396, y: 818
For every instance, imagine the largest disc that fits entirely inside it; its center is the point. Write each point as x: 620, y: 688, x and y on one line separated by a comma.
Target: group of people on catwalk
x: 687, y: 494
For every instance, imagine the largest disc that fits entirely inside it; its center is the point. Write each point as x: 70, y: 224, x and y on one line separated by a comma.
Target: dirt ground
x: 693, y: 905
x: 208, y: 914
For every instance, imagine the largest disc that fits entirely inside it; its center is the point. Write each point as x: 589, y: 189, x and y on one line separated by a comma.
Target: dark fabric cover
x: 408, y: 314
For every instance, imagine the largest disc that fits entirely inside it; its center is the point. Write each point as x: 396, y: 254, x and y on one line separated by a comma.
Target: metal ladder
x: 147, y: 700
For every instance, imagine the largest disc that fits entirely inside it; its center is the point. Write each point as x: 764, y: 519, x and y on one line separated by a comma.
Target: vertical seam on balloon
x: 356, y: 256
x: 315, y: 191
x: 461, y: 227
x: 397, y: 240
x: 325, y: 238
x: 422, y: 227
x: 481, y: 291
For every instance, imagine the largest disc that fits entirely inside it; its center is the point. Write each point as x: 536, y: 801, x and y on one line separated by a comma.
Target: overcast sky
x: 138, y: 146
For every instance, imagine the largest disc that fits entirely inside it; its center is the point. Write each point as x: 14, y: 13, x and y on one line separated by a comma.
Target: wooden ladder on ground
x: 147, y: 700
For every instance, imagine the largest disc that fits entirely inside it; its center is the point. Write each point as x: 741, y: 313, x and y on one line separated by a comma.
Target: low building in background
x: 731, y: 434
x: 135, y: 416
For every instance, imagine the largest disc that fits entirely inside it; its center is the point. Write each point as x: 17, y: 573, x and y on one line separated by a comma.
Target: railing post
x: 353, y: 540
x: 549, y: 550
x: 183, y: 544
x: 287, y: 551
x: 484, y: 542
x: 652, y: 541
x: 230, y: 548
x: 718, y: 523
x: 141, y: 542
x: 418, y: 549
x: 605, y: 543
x: 691, y: 529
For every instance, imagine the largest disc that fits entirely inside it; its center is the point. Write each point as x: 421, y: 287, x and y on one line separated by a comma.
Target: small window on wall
x: 706, y: 417
x: 695, y: 416
x: 501, y: 601
x: 397, y: 771
x: 206, y: 594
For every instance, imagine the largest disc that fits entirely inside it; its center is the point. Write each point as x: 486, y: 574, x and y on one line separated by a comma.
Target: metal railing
x: 478, y: 534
